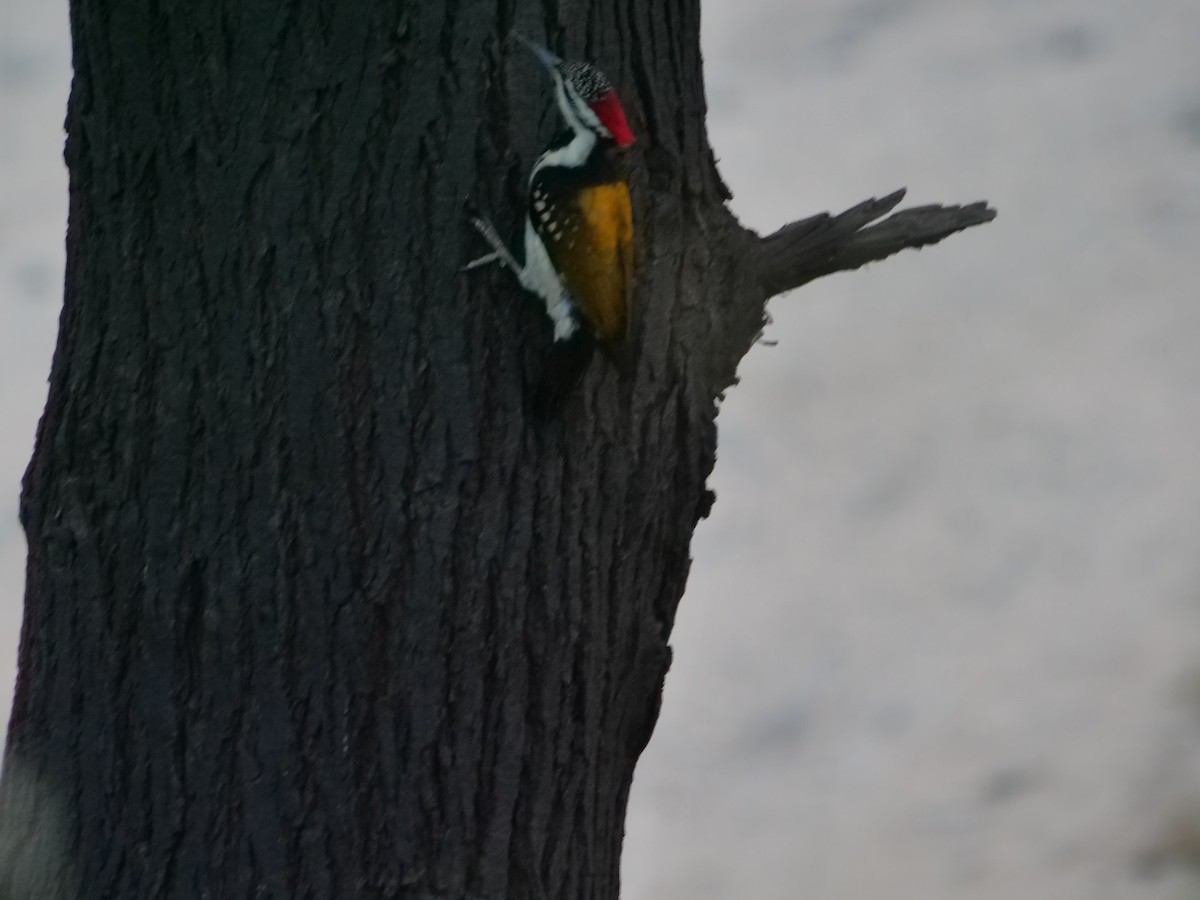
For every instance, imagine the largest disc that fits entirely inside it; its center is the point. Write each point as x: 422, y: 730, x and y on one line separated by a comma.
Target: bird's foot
x: 500, y: 252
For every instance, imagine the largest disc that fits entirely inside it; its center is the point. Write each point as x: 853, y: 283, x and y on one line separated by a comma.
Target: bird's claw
x: 500, y: 253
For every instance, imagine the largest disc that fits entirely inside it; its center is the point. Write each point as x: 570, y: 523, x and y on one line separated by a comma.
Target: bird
x: 578, y: 235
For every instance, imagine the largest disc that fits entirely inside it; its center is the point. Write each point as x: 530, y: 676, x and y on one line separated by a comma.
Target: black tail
x: 622, y: 356
x: 562, y: 369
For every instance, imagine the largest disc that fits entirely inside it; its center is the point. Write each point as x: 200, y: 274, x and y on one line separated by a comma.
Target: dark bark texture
x: 314, y: 610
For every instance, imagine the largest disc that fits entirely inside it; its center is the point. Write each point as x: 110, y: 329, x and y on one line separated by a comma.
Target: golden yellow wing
x: 593, y: 253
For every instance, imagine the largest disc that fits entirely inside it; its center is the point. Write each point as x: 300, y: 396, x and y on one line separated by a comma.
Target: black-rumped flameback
x: 578, y: 229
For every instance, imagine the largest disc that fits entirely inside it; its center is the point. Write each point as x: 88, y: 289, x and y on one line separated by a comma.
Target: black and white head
x: 585, y: 96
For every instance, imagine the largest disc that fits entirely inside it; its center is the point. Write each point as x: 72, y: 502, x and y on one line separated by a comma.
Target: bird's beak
x: 547, y: 59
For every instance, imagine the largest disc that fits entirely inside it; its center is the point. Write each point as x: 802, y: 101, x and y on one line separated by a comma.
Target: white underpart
x: 540, y: 277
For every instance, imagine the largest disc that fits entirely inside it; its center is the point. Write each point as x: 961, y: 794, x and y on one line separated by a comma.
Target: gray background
x: 942, y: 637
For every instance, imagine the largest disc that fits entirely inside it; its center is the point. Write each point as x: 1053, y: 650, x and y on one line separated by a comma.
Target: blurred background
x: 942, y: 636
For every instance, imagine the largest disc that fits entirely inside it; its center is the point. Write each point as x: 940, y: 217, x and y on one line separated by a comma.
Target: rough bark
x: 313, y: 608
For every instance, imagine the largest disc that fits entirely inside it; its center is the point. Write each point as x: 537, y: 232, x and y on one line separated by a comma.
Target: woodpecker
x: 578, y: 229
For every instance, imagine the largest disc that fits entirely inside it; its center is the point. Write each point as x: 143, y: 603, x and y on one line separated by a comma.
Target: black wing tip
x: 562, y: 370
x: 623, y: 358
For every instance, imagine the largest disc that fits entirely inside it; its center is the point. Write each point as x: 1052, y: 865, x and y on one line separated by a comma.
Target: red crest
x: 608, y: 110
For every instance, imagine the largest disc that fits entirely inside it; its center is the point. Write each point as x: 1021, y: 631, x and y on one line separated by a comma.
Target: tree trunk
x: 313, y: 608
